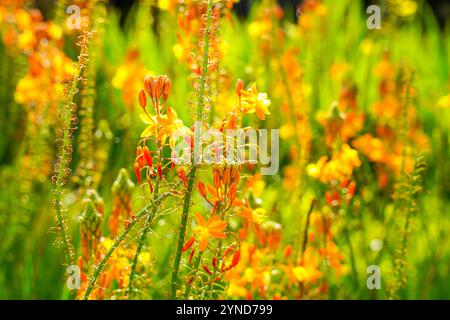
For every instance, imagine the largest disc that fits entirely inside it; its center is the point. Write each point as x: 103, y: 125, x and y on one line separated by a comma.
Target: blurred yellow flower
x: 253, y: 101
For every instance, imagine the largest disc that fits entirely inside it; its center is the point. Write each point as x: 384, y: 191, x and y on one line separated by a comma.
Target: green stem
x: 143, y: 235
x: 192, y: 174
x: 119, y: 240
x: 196, y: 265
x: 66, y: 150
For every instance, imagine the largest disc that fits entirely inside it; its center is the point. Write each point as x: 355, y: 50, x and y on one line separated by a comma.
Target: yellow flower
x: 161, y: 126
x: 253, y: 101
x: 339, y: 167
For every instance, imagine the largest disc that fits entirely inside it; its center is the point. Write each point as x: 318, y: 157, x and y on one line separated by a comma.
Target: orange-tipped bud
x: 216, y: 179
x: 235, y: 261
x: 161, y: 81
x: 207, y: 269
x: 166, y: 88
x: 288, y: 251
x: 239, y: 86
x: 201, y: 189
x: 155, y: 89
x: 140, y: 157
x: 228, y: 250
x: 191, y: 255
x: 226, y: 176
x: 214, y: 262
x: 188, y: 244
x: 138, y: 172
x: 148, y: 156
x: 142, y: 98
x: 232, y: 192
x: 148, y: 80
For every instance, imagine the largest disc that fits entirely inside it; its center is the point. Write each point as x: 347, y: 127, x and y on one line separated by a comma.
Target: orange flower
x: 253, y: 101
x: 214, y: 227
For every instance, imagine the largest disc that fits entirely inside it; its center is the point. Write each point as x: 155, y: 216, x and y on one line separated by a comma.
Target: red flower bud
x: 201, y: 189
x: 138, y: 172
x: 216, y: 179
x: 147, y: 156
x: 207, y: 270
x: 188, y: 244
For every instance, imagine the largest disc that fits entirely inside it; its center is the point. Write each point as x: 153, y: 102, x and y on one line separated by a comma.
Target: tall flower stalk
x: 62, y: 169
x: 193, y: 171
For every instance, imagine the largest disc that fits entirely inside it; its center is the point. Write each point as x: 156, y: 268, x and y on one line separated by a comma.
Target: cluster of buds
x: 225, y: 181
x: 90, y: 225
x: 144, y: 160
x: 98, y: 202
x: 221, y: 266
x: 122, y: 190
x: 156, y: 88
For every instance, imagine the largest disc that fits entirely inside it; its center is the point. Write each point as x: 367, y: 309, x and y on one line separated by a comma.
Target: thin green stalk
x: 192, y: 174
x: 196, y: 265
x: 143, y: 235
x: 66, y: 148
x: 119, y: 240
